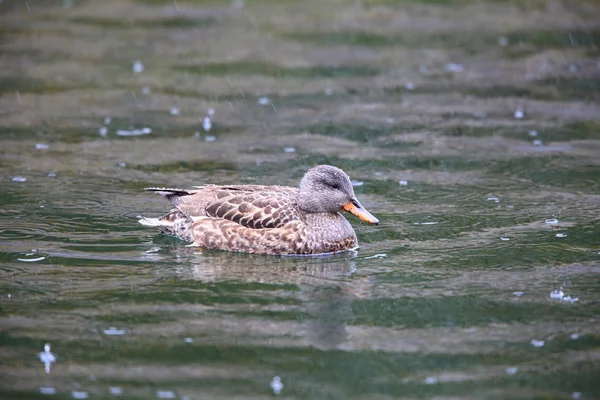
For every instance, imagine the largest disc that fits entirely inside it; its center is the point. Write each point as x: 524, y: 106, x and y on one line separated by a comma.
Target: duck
x: 261, y: 219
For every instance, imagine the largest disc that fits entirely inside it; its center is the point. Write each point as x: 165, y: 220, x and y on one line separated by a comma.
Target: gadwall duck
x: 267, y: 219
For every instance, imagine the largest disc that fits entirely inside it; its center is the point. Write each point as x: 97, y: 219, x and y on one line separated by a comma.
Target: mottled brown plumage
x: 267, y: 219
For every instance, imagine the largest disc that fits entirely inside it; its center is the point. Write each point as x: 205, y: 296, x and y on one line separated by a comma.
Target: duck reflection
x: 320, y: 290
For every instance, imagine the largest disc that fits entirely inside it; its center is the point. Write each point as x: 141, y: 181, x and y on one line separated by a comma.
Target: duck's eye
x: 335, y: 186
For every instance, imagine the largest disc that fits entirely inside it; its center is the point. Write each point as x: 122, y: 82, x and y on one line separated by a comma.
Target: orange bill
x: 354, y: 207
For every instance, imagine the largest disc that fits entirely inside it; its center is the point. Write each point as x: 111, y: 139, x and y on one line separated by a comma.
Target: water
x: 452, y: 295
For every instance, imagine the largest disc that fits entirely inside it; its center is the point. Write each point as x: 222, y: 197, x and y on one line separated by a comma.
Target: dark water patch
x: 555, y: 89
x: 258, y: 68
x: 358, y: 133
x: 556, y: 39
x: 23, y: 84
x: 582, y: 130
x: 472, y: 44
x: 572, y: 88
x: 186, y: 166
x: 550, y: 170
x: 124, y: 23
x: 458, y: 311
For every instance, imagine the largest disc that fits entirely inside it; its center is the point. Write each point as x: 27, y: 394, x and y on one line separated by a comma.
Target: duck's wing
x: 264, y: 207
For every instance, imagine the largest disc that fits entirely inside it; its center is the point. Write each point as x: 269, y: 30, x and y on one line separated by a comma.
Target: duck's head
x: 327, y: 189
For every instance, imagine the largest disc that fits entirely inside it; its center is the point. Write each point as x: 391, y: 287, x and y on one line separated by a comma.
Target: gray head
x: 327, y: 189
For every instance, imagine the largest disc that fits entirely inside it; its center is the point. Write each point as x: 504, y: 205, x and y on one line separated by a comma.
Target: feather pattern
x: 260, y: 219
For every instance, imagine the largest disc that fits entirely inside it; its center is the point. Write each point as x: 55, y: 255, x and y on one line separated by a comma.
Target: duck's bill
x: 354, y: 207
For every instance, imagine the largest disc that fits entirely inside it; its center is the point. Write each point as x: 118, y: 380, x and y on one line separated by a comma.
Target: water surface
x: 471, y: 129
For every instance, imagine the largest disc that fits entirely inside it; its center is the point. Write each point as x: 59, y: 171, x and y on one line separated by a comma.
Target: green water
x: 415, y: 100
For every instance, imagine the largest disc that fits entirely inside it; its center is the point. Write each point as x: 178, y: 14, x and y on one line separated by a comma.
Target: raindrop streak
x: 357, y: 183
x: 206, y: 124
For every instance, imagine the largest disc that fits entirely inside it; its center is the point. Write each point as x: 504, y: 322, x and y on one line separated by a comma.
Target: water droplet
x: 52, y: 174
x: 561, y: 235
x: 146, y: 90
x: 503, y: 41
x: 115, y: 390
x: 276, y: 385
x: 551, y: 221
x: 42, y: 146
x: 557, y: 294
x: 79, y: 394
x: 537, y: 343
x: 454, y: 67
x: 206, y: 124
x: 174, y: 111
x: 519, y: 114
x: 289, y: 149
x: 47, y: 357
x: 112, y: 331
x: 210, y: 112
x: 137, y: 67
x: 504, y: 239
x: 570, y: 299
x: 537, y: 142
x: 19, y: 179
x: 494, y: 199
x: 403, y: 183
x: 511, y: 370
x: 188, y: 340
x: 165, y: 394
x: 518, y: 293
x: 210, y: 138
x: 409, y: 86
x: 103, y: 131
x: 574, y: 336
x: 47, y: 390
x: 576, y: 395
x: 107, y: 120
x: 357, y: 183
x: 263, y: 101
x: 430, y: 380
x: 533, y: 133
